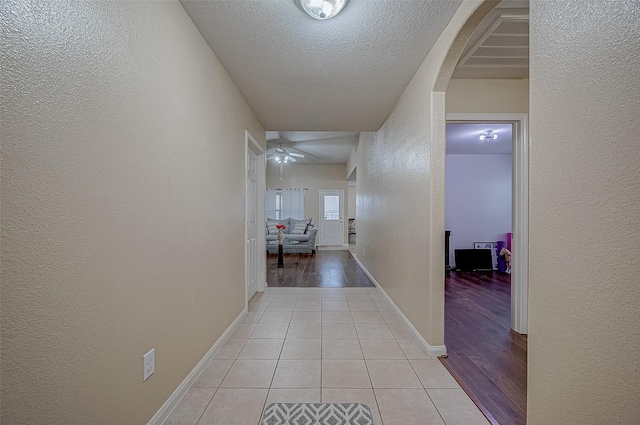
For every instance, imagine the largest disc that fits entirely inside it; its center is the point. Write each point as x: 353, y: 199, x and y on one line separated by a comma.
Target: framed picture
x: 493, y: 246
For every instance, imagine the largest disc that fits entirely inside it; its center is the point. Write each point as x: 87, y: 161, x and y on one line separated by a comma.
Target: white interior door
x: 331, y: 230
x: 252, y: 224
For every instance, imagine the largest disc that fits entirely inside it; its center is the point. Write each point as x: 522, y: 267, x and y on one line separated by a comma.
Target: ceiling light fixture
x: 488, y: 135
x: 281, y: 156
x: 322, y: 9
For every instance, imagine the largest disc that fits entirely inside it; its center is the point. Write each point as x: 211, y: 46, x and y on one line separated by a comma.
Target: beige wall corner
x: 352, y: 161
x: 122, y: 207
x: 585, y: 213
x: 352, y: 201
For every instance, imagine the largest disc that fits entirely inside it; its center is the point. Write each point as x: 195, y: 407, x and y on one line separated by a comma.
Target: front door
x: 331, y: 230
x: 252, y: 224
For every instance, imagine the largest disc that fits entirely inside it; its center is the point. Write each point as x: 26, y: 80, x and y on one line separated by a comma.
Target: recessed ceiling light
x: 322, y: 9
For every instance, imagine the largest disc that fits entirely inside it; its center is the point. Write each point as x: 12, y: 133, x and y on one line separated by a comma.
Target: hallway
x: 329, y: 345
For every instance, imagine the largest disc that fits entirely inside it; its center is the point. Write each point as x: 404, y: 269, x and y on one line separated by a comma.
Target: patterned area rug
x: 317, y: 414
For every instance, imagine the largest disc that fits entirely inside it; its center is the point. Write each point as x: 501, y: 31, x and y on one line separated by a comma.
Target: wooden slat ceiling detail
x: 505, y: 44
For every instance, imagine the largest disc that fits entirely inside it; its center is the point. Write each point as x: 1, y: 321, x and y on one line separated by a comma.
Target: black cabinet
x: 447, y: 267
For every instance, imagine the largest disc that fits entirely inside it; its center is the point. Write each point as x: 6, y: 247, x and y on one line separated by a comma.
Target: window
x: 285, y: 203
x: 279, y: 212
x: 331, y: 207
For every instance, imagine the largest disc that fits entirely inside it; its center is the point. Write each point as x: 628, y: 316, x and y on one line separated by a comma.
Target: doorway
x: 331, y: 220
x: 520, y: 207
x: 351, y: 225
x: 255, y: 264
x: 352, y: 195
x: 483, y: 309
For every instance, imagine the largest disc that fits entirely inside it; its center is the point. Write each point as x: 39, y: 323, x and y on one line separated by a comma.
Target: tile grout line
x: 434, y: 405
x: 322, y: 340
x: 321, y: 347
x: 221, y: 381
x: 207, y: 406
x: 370, y: 380
x: 264, y: 406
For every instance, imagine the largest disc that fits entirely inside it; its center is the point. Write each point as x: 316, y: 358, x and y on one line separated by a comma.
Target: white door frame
x: 251, y: 143
x: 520, y: 217
x: 321, y: 214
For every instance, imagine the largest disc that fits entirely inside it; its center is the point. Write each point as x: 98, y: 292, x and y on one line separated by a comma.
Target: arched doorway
x: 476, y: 12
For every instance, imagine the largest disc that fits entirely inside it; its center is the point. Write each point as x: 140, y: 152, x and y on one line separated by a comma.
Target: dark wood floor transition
x: 323, y: 269
x: 485, y: 356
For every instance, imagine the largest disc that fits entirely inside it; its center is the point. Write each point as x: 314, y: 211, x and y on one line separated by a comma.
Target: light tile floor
x: 331, y: 345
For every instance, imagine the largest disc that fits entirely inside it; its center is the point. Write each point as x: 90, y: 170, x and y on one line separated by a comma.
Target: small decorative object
x: 280, y: 227
x: 504, y: 252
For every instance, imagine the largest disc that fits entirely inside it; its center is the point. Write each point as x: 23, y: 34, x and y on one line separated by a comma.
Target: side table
x: 290, y: 244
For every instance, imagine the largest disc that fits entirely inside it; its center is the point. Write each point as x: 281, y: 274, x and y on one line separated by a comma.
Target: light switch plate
x: 149, y: 364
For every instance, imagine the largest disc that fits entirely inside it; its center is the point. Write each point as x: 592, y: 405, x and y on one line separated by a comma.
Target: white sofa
x: 306, y: 241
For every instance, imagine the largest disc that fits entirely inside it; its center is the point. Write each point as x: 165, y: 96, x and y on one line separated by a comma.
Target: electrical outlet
x: 149, y: 364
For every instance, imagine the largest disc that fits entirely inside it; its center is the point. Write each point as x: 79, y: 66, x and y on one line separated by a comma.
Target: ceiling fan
x: 282, y: 156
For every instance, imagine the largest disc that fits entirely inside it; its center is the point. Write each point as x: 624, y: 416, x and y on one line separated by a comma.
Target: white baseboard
x: 164, y: 412
x: 332, y: 247
x: 431, y: 350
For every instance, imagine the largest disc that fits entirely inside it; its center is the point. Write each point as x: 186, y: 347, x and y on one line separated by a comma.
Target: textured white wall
x: 352, y: 201
x: 352, y: 161
x: 401, y: 192
x: 122, y: 207
x: 584, y: 290
x: 477, y: 199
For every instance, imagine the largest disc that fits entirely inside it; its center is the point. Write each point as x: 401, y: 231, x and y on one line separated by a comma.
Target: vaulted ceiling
x: 318, y: 147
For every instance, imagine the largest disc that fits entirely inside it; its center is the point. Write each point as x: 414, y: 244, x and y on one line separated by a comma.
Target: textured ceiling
x: 463, y: 138
x: 342, y: 74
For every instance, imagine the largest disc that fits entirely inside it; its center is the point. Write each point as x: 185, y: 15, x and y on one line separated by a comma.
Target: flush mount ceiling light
x: 322, y: 9
x: 488, y: 135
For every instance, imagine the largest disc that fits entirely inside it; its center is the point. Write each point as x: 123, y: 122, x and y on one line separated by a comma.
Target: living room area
x: 305, y: 171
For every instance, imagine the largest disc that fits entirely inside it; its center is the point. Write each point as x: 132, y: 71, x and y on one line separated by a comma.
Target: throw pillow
x: 271, y: 227
x: 293, y: 223
x: 299, y: 229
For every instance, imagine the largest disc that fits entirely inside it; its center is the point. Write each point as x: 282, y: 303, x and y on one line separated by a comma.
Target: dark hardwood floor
x: 485, y: 356
x: 324, y: 269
